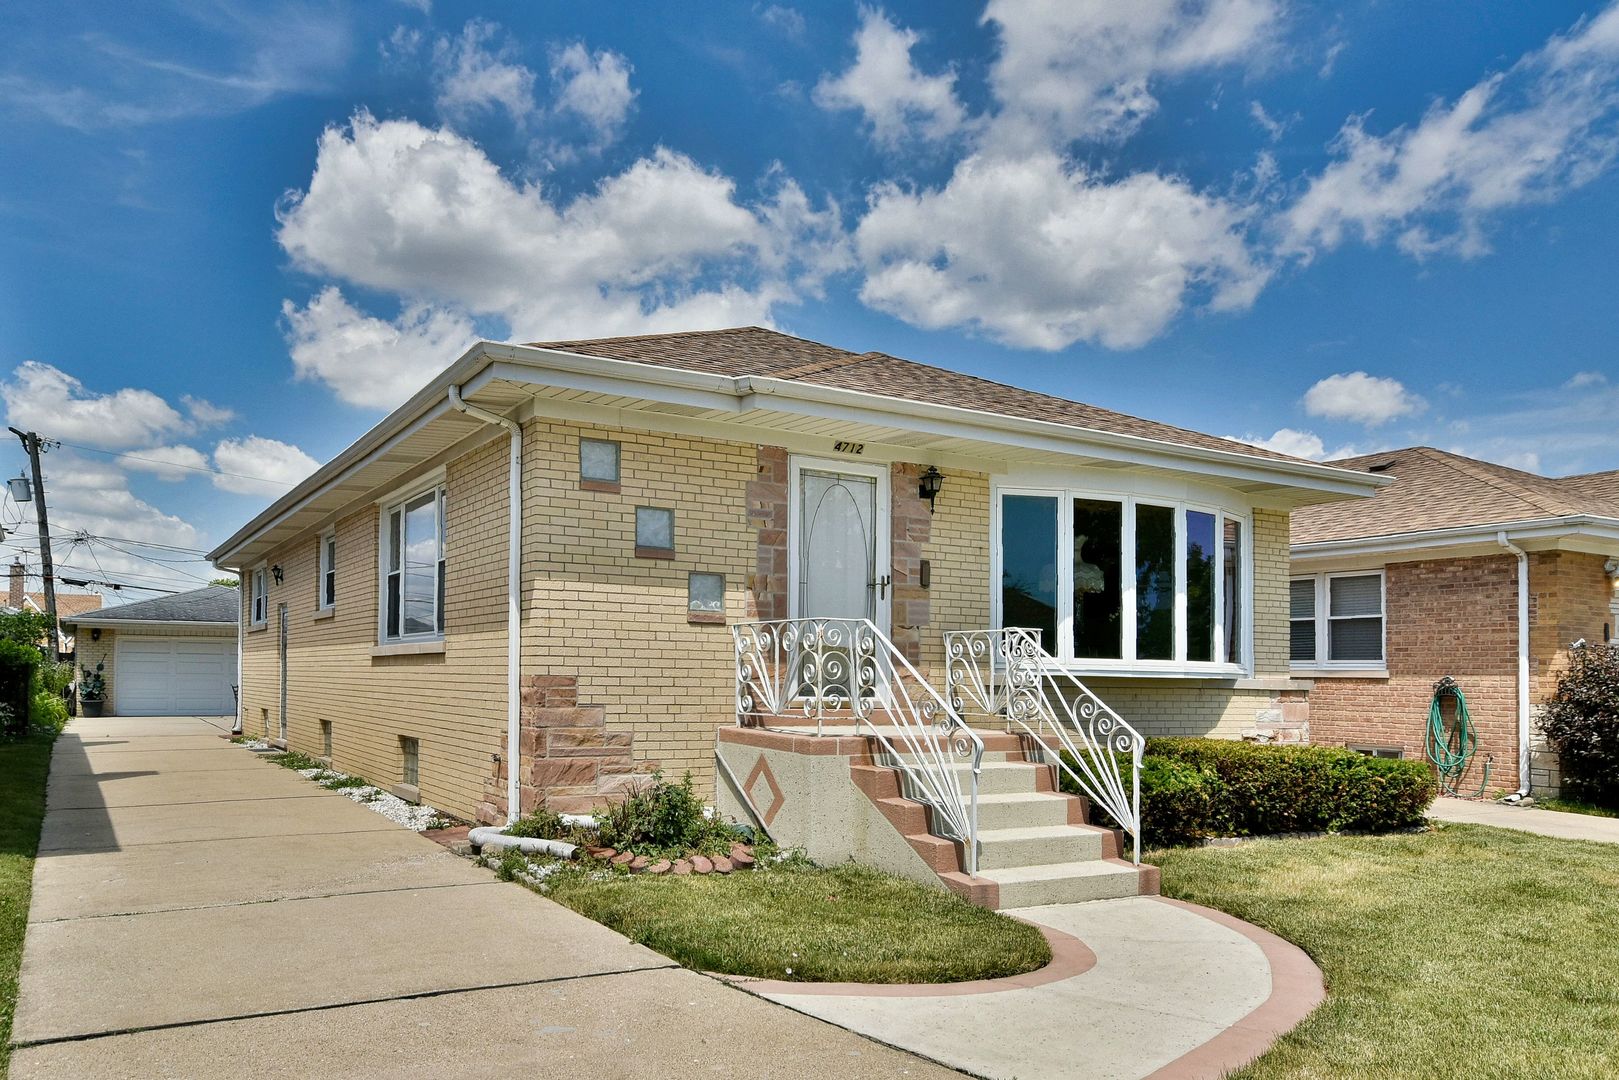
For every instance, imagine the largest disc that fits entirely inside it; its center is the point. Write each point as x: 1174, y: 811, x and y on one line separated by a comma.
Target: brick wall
x: 1453, y: 617
x: 453, y: 702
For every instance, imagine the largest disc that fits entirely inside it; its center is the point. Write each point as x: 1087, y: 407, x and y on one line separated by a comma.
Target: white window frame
x: 325, y: 560
x: 1324, y: 618
x: 385, y: 539
x: 1062, y: 649
x: 258, y: 596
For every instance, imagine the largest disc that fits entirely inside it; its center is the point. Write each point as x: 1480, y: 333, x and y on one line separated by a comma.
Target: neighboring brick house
x: 1423, y: 581
x: 67, y: 604
x: 663, y: 487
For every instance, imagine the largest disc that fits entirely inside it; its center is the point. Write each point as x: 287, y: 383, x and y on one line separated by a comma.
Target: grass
x: 1461, y: 952
x: 807, y: 923
x: 1574, y: 806
x: 24, y: 764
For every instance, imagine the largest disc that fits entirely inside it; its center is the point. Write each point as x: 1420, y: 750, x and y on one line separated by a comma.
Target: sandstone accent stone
x: 659, y: 867
x: 701, y: 864
x: 639, y: 864
x: 722, y: 865
x: 623, y: 858
x: 681, y: 868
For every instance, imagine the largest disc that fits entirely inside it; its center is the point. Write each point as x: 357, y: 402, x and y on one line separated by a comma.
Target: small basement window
x: 599, y: 464
x: 1392, y: 752
x: 705, y: 598
x: 410, y: 751
x: 654, y: 532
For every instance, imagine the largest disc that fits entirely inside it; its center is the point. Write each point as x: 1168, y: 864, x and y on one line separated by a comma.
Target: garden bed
x: 417, y: 817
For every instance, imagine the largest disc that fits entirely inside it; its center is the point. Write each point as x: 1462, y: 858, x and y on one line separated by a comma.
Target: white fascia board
x: 1600, y: 530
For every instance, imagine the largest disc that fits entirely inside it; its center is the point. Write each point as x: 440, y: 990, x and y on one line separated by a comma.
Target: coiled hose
x: 1451, y: 747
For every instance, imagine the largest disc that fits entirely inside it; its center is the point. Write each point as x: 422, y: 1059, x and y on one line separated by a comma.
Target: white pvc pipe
x: 1523, y: 659
x: 514, y: 594
x: 528, y: 845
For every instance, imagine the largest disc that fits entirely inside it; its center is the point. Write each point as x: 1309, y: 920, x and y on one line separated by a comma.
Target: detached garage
x: 172, y: 656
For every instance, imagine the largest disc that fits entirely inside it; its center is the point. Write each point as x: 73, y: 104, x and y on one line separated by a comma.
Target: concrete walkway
x: 199, y: 912
x: 1152, y: 987
x: 1527, y: 819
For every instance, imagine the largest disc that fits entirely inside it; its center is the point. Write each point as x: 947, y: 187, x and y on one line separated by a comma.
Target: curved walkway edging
x: 1069, y: 957
x: 1297, y: 987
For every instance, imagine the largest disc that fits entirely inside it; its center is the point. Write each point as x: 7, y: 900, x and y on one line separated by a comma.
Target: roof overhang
x: 104, y: 623
x: 1587, y: 533
x: 520, y: 379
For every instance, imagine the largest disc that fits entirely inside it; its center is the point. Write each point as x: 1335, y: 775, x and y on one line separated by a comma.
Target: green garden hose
x: 1451, y: 749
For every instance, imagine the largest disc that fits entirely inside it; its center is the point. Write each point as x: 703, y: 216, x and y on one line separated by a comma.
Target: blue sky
x: 232, y: 235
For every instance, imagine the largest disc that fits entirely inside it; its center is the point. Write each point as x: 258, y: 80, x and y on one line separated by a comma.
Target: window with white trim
x: 1116, y: 581
x: 1337, y: 620
x: 413, y: 567
x: 328, y: 572
x: 259, y: 613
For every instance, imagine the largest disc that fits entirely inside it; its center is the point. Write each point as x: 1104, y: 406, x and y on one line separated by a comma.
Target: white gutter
x: 1605, y: 529
x: 1523, y: 660
x: 514, y: 594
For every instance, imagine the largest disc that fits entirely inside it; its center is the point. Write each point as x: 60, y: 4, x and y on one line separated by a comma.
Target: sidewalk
x: 1148, y: 988
x: 1527, y: 819
x: 198, y: 912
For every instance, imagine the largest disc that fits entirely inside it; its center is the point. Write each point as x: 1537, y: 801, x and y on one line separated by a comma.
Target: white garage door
x: 164, y: 676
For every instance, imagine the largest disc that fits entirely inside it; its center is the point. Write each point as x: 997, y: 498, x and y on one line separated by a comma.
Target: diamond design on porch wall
x: 761, y: 770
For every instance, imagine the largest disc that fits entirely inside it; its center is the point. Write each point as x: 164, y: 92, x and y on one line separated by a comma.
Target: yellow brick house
x: 524, y: 583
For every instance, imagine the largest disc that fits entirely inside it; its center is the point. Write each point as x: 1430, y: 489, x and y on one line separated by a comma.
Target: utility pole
x: 32, y: 443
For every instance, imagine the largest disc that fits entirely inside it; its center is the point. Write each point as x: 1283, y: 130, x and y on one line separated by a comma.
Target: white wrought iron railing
x: 847, y: 669
x: 1006, y: 672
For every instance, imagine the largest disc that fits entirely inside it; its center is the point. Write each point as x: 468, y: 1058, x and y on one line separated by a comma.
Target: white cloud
x: 1524, y: 136
x: 663, y: 245
x: 1300, y: 444
x: 370, y: 362
x: 788, y: 20
x: 595, y: 88
x: 1038, y: 253
x: 898, y: 102
x: 1581, y: 379
x: 171, y: 463
x: 277, y: 465
x: 205, y: 413
x: 1084, y: 69
x: 1363, y: 398
x: 1273, y: 127
x: 475, y: 75
x: 44, y: 398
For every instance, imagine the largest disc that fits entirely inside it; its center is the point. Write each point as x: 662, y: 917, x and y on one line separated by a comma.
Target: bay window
x: 1124, y: 582
x: 413, y: 567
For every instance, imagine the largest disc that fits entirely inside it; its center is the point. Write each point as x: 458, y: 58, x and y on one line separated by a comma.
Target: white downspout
x: 1523, y: 660
x: 514, y: 595
x: 241, y: 632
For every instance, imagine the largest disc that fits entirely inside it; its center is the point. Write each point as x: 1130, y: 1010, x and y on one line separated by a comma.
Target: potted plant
x: 92, y: 691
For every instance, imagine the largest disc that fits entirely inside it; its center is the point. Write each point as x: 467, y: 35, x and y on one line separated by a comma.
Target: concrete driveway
x: 199, y: 912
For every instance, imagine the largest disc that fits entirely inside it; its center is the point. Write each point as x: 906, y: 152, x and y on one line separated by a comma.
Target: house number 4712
x: 849, y: 447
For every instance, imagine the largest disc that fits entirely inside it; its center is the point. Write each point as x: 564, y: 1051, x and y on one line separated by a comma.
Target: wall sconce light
x: 928, y: 487
x: 95, y: 633
x: 275, y: 572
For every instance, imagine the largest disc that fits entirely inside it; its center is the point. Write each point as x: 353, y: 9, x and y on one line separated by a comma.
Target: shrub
x: 1275, y: 789
x: 1581, y: 722
x: 19, y: 667
x: 1178, y: 800
x: 664, y: 818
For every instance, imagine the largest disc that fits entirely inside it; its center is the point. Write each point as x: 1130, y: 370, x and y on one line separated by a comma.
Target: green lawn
x: 838, y: 924
x: 1574, y: 806
x: 1463, y: 952
x: 23, y: 767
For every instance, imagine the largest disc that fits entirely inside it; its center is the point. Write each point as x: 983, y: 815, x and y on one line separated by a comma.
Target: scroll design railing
x: 1006, y: 672
x: 848, y: 669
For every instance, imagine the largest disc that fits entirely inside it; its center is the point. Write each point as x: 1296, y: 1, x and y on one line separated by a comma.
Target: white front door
x: 840, y: 542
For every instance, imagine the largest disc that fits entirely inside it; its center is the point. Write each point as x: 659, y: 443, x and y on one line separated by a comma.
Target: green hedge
x: 1197, y: 788
x: 19, y: 665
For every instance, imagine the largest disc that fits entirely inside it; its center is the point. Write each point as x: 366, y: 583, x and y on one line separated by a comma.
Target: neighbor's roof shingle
x: 753, y: 350
x: 69, y: 603
x: 1438, y: 490
x: 213, y: 604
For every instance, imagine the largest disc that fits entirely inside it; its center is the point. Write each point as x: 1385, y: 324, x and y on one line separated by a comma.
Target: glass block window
x: 654, y: 530
x: 599, y: 461
x: 705, y: 594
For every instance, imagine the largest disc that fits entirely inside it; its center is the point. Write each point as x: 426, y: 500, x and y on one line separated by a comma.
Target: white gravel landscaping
x: 416, y: 818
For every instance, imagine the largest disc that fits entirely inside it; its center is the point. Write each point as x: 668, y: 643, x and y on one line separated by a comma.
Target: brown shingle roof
x: 753, y: 350
x: 1434, y: 489
x: 69, y: 603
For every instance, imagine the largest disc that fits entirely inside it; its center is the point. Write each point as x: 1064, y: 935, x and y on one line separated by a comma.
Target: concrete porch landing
x: 1175, y: 992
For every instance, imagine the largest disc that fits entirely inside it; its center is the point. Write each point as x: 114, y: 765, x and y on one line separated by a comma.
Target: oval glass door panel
x: 837, y: 546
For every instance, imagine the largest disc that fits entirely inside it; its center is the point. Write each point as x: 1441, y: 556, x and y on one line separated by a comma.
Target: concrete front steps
x: 1035, y: 844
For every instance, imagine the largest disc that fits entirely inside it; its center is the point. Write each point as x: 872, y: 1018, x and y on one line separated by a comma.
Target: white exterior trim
x: 1323, y: 664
